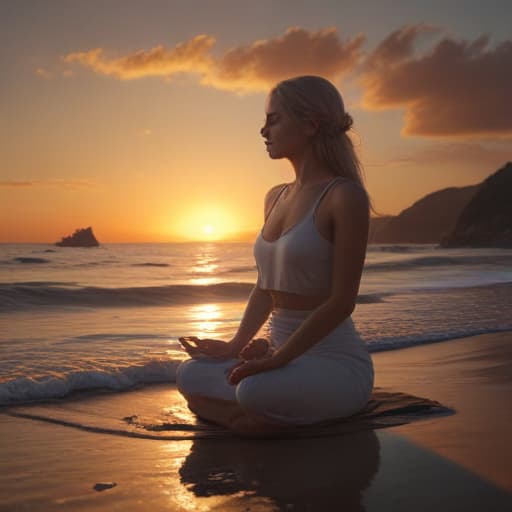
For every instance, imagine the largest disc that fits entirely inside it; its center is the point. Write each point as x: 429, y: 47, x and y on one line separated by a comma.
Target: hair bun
x: 347, y: 122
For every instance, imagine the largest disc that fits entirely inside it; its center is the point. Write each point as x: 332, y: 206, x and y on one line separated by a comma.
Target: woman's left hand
x: 246, y: 368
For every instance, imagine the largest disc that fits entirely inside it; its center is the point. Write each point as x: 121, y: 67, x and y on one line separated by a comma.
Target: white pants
x: 333, y: 379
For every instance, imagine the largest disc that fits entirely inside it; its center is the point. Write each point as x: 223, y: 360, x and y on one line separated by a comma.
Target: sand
x: 457, y: 462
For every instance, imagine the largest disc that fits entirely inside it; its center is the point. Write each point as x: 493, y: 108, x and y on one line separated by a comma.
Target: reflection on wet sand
x: 313, y: 474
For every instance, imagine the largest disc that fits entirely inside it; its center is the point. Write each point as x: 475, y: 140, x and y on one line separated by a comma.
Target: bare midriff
x: 288, y: 300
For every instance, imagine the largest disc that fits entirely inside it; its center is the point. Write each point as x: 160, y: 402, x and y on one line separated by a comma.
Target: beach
x: 460, y: 461
x: 89, y: 339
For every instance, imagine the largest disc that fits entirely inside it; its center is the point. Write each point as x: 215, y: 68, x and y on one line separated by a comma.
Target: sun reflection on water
x: 205, y: 265
x: 206, y: 319
x: 205, y: 280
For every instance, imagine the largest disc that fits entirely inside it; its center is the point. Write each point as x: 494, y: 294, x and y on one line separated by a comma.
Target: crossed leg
x: 232, y: 416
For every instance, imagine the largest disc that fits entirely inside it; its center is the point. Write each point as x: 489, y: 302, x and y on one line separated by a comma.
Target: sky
x: 142, y: 118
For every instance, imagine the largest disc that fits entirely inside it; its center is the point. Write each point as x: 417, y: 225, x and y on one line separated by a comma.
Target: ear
x: 311, y: 127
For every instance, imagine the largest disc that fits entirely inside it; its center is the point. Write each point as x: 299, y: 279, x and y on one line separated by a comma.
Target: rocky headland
x: 474, y: 216
x: 486, y: 221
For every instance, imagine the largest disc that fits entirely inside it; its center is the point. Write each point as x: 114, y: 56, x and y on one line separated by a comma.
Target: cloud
x: 252, y: 67
x: 191, y: 56
x: 457, y: 88
x: 66, y: 184
x: 448, y: 88
x: 260, y: 65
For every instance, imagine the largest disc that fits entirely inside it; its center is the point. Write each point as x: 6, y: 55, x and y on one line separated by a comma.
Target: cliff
x: 486, y: 221
x: 426, y: 221
x: 80, y: 238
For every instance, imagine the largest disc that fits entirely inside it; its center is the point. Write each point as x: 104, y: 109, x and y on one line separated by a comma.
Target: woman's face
x: 284, y: 136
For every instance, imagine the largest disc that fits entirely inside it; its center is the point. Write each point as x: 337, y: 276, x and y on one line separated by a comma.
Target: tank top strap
x: 275, y: 200
x: 325, y: 190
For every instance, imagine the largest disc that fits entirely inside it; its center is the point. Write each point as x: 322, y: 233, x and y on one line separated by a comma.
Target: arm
x: 350, y: 216
x: 258, y: 309
x: 260, y: 302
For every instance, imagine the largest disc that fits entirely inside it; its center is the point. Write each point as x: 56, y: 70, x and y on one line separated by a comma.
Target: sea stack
x: 80, y: 238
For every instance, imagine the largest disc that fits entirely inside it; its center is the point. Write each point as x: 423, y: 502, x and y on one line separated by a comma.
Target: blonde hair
x: 315, y: 98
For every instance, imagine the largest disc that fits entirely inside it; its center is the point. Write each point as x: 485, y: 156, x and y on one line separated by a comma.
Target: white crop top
x: 300, y: 260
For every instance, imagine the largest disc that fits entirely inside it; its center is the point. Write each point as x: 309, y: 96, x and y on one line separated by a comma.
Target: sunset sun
x: 206, y: 222
x: 208, y: 229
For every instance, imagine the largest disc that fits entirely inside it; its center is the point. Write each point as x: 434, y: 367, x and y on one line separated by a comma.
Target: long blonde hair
x: 312, y: 97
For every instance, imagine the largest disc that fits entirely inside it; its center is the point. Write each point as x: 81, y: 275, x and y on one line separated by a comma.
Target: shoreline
x: 456, y: 462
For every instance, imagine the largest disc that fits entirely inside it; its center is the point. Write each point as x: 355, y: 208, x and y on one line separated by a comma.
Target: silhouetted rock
x: 426, y: 221
x: 377, y: 227
x: 486, y: 221
x: 80, y: 238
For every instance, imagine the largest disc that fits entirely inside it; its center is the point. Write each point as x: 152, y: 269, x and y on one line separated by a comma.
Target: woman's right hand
x: 258, y: 348
x: 204, y: 347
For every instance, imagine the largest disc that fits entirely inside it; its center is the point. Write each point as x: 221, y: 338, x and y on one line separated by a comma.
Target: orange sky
x: 148, y: 130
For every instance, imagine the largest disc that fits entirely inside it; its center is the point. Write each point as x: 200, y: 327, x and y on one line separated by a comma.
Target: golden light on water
x: 206, y: 319
x: 205, y: 265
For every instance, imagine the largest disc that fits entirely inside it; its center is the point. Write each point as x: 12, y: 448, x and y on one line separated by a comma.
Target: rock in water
x: 486, y: 221
x: 80, y: 238
x: 101, y: 486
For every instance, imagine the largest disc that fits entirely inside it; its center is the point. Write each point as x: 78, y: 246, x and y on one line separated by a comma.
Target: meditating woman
x: 309, y: 255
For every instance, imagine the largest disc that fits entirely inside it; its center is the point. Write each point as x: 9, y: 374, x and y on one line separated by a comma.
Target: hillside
x: 486, y: 221
x: 426, y: 221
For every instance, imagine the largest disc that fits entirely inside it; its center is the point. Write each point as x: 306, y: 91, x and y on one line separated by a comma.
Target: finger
x: 189, y: 339
x: 238, y: 375
x: 241, y: 363
x: 186, y: 344
x: 192, y: 351
x: 201, y: 343
x: 189, y: 349
x: 233, y: 377
x: 238, y: 372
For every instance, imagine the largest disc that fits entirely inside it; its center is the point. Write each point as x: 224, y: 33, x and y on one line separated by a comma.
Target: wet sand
x: 457, y: 462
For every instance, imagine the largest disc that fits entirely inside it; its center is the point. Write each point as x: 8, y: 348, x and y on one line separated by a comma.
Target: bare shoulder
x: 271, y: 196
x: 349, y: 198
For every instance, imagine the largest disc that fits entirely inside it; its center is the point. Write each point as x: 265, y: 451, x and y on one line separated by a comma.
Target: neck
x: 308, y: 170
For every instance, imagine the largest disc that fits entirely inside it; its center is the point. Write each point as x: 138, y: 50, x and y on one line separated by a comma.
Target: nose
x: 263, y: 131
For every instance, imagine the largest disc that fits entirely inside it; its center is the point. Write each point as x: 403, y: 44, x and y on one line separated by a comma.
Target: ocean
x: 86, y: 319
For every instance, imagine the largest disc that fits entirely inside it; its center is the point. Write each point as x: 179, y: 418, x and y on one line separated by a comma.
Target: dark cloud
x: 457, y: 88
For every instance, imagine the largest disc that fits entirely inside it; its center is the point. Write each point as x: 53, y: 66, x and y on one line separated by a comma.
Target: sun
x: 208, y: 229
x: 206, y: 222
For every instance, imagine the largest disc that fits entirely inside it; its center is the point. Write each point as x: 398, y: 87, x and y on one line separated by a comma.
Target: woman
x: 310, y: 255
